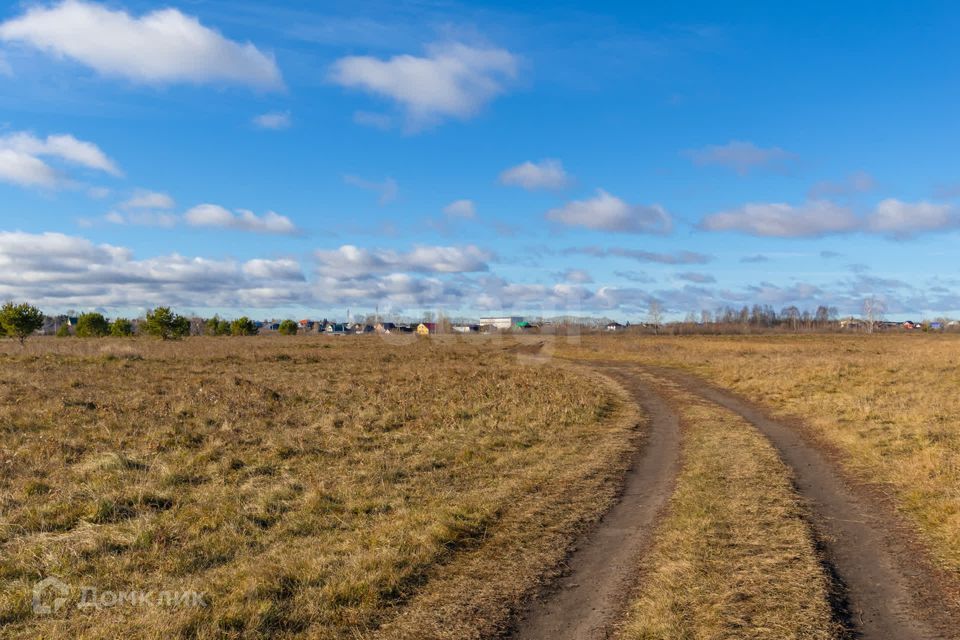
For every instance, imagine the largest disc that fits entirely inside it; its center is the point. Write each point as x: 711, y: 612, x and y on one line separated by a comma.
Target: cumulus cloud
x: 143, y: 199
x: 58, y: 271
x: 902, y: 219
x: 275, y: 120
x: 24, y: 159
x: 282, y: 269
x: 394, y: 291
x: 890, y: 217
x: 388, y: 189
x: 351, y: 261
x: 577, y: 276
x: 461, y: 209
x: 605, y: 212
x: 25, y: 170
x: 740, y: 156
x: 142, y: 218
x: 546, y: 174
x: 812, y: 219
x: 213, y: 215
x: 160, y: 47
x: 451, y: 80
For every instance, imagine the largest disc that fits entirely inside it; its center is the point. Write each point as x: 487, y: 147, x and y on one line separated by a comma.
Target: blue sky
x: 478, y: 158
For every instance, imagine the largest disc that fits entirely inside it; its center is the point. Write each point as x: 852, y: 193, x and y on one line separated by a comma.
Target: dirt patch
x: 882, y: 586
x: 591, y: 597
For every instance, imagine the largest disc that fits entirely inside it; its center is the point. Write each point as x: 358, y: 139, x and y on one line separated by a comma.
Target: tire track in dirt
x: 879, y: 583
x: 591, y: 598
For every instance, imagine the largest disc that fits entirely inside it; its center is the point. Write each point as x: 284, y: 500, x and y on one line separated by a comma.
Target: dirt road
x: 590, y: 599
x: 879, y: 582
x: 880, y: 589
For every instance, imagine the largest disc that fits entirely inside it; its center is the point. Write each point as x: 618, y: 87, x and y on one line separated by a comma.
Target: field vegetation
x: 306, y: 487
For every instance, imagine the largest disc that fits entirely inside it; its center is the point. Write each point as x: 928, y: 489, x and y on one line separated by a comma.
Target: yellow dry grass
x: 889, y: 404
x: 307, y: 487
x: 734, y: 557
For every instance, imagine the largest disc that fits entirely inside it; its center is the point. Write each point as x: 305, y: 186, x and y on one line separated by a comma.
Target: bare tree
x: 791, y: 315
x: 873, y: 309
x: 655, y: 313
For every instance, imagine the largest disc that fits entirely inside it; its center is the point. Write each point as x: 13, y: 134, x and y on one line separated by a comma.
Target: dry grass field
x: 319, y: 487
x: 306, y: 487
x: 734, y: 557
x: 888, y: 405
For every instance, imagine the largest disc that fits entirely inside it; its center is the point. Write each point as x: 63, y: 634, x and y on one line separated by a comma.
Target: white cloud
x: 143, y: 199
x: 65, y: 147
x: 451, y: 80
x: 606, y: 212
x: 392, y: 292
x: 275, y: 120
x: 894, y: 217
x: 351, y: 261
x: 60, y: 271
x: 740, y: 156
x: 23, y: 159
x: 461, y: 209
x: 388, y: 189
x: 25, y: 170
x: 142, y: 218
x: 213, y: 215
x: 160, y: 47
x: 546, y: 174
x: 783, y: 220
x: 577, y: 276
x: 283, y: 269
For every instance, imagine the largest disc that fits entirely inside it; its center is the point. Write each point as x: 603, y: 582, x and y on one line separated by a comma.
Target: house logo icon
x: 49, y: 595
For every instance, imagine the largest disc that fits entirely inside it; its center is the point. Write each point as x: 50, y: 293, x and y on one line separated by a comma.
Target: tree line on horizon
x: 22, y: 320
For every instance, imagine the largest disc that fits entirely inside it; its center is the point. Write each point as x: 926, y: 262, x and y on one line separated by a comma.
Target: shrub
x: 288, y: 328
x: 63, y: 331
x: 216, y: 326
x: 121, y: 327
x: 243, y: 326
x: 92, y: 325
x: 20, y: 320
x: 164, y: 323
